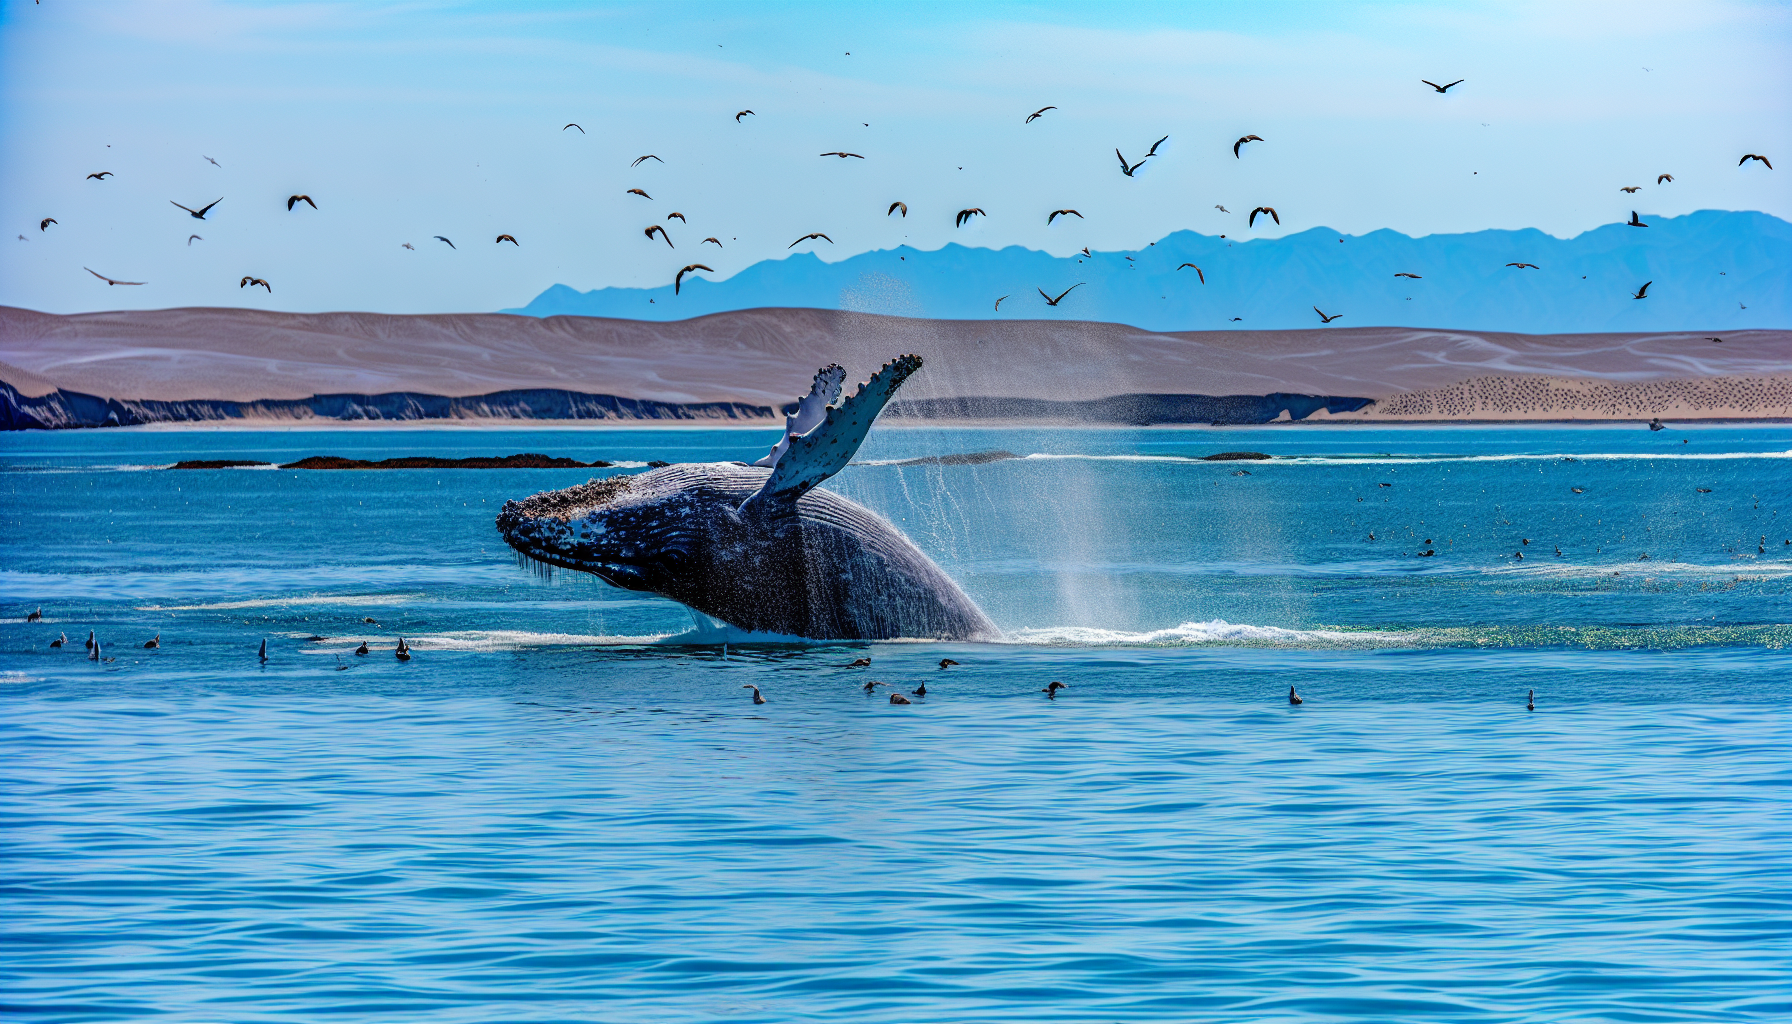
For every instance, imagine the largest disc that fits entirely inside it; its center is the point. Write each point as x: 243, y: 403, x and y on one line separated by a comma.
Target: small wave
x: 15, y: 678
x: 1216, y: 632
x: 282, y: 602
x: 506, y: 640
x: 1404, y: 460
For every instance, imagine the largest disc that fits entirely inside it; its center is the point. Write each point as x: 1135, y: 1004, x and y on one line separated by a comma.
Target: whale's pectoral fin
x: 826, y: 448
x: 811, y: 409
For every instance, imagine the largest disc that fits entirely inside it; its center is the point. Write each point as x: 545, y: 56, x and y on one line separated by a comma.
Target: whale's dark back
x: 823, y: 567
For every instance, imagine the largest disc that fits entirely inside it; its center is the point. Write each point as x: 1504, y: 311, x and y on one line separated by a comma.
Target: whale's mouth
x: 621, y: 575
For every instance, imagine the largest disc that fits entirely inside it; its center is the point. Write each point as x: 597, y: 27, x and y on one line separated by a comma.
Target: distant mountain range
x: 1704, y: 269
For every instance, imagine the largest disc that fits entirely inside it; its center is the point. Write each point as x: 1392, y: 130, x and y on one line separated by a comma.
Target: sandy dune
x: 766, y: 356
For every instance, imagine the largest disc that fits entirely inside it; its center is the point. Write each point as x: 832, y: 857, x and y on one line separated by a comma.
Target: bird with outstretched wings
x: 1240, y: 142
x: 108, y: 280
x: 1197, y: 270
x: 1264, y: 209
x: 199, y: 214
x: 808, y: 237
x: 665, y: 237
x: 1034, y: 116
x: 678, y: 282
x: 1053, y: 302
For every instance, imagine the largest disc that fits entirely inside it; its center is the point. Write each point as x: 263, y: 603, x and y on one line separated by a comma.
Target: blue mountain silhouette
x: 1705, y: 267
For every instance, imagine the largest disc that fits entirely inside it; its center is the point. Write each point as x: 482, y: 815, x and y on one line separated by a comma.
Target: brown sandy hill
x: 766, y: 356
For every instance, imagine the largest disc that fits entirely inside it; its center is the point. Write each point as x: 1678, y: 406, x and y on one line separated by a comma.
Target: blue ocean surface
x: 565, y: 806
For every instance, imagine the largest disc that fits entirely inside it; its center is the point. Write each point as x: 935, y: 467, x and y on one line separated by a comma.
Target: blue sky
x: 406, y: 121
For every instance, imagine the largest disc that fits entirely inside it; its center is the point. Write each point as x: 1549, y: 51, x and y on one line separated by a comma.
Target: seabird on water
x: 362, y: 650
x: 90, y: 640
x: 1530, y: 701
x: 264, y: 651
x: 59, y: 641
x: 872, y: 685
x: 947, y: 662
x: 921, y: 691
x: 403, y: 650
x: 758, y: 698
x: 36, y: 616
x: 897, y: 698
x: 1051, y: 692
x: 1294, y: 698
x: 153, y: 643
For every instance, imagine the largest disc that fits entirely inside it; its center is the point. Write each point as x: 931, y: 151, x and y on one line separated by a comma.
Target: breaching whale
x: 759, y: 547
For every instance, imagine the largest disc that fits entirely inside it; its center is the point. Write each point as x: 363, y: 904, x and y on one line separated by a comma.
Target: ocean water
x: 561, y: 810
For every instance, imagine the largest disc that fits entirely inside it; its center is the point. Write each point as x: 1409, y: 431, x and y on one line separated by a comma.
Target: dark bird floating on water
x: 1061, y: 213
x: 1643, y: 292
x: 1634, y: 222
x: 921, y: 691
x: 1443, y: 88
x: 1326, y: 319
x: 1051, y: 692
x: 758, y: 698
x: 842, y: 155
x: 1198, y: 273
x: 714, y: 239
x: 1415, y: 277
x: 964, y: 215
x: 678, y: 282
x: 1656, y: 424
x: 292, y: 201
x: 190, y: 239
x: 1631, y: 188
x: 1264, y: 209
x: 1034, y: 116
x: 947, y: 663
x: 362, y: 650
x: 108, y: 280
x: 668, y: 238
x: 199, y: 214
x: 153, y: 643
x: 1746, y: 157
x: 451, y: 245
x: 92, y: 643
x: 873, y: 685
x: 250, y: 282
x: 103, y: 175
x: 999, y: 304
x: 35, y: 616
x: 1294, y: 698
x: 403, y: 651
x: 860, y: 663
x: 638, y: 159
x: 1663, y: 177
x: 1053, y: 302
x: 1530, y: 701
x: 263, y: 653
x: 46, y: 222
x: 59, y: 641
x: 897, y: 698
x: 505, y: 238
x: 574, y: 124
x: 737, y: 118
x: 807, y: 237
x: 1522, y: 266
x: 898, y: 205
x: 1240, y: 142
x: 680, y: 217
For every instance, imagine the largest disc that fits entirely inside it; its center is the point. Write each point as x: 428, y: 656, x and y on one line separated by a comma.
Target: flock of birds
x: 95, y: 652
x: 1128, y: 168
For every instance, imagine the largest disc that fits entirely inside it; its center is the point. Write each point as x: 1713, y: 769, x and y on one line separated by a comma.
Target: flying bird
x: 190, y: 240
x: 199, y: 214
x: 638, y: 192
x: 1634, y: 222
x: 1631, y: 188
x: 103, y: 175
x: 1053, y: 302
x: 1087, y: 253
x: 1415, y: 277
x: 46, y: 222
x: 999, y: 301
x: 1663, y: 177
x: 1444, y: 88
x: 1522, y: 266
x: 1198, y: 273
x: 108, y: 280
x: 407, y: 245
x: 451, y: 245
x: 505, y: 238
x: 714, y: 239
x: 1060, y: 213
x: 680, y: 217
x: 250, y: 282
x: 1220, y: 208
x: 1326, y: 319
x: 843, y: 155
x: 1643, y: 292
x: 678, y: 282
x: 638, y: 159
x: 898, y: 205
x: 1746, y: 157
x: 1126, y: 170
x: 214, y: 163
x: 807, y: 237
x: 571, y: 124
x: 292, y: 201
x: 1240, y: 142
x: 742, y: 114
x: 668, y: 238
x: 1034, y: 116
x: 1263, y: 209
x: 964, y: 215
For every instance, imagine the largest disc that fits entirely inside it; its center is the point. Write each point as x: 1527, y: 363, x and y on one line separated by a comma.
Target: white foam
x: 1216, y: 631
x: 282, y: 602
x: 1377, y: 460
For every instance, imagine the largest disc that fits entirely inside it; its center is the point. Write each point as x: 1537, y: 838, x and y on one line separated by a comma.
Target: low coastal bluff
x: 61, y: 409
